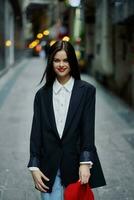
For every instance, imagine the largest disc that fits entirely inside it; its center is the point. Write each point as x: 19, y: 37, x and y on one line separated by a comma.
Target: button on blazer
x: 49, y: 152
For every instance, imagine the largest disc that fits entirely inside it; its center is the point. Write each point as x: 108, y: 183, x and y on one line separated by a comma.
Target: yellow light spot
x: 33, y: 44
x: 8, y: 43
x: 30, y: 46
x: 52, y: 42
x: 66, y: 38
x: 37, y: 41
x: 46, y: 32
x: 39, y: 35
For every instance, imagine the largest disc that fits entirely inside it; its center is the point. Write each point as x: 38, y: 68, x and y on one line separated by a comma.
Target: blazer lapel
x: 74, y: 103
x: 50, y: 110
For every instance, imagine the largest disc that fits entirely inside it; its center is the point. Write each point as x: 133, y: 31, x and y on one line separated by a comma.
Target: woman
x: 62, y: 143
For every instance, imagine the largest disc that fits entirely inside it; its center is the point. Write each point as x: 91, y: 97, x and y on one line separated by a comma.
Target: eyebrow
x: 59, y: 58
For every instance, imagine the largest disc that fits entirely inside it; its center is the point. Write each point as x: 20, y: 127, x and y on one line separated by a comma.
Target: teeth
x: 61, y: 69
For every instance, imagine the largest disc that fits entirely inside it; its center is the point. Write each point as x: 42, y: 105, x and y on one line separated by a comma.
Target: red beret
x: 78, y: 191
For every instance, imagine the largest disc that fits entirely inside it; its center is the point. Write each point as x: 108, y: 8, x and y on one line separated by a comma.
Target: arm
x: 87, y: 138
x: 35, y: 148
x: 35, y: 138
x: 87, y: 129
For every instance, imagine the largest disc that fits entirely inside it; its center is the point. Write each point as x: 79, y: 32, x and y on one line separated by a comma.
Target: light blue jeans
x: 57, y: 191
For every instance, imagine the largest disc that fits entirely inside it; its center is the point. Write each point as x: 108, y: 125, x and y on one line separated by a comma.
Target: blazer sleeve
x: 88, y: 148
x: 35, y: 138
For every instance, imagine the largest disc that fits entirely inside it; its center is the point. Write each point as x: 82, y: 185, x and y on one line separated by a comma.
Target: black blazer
x: 49, y: 152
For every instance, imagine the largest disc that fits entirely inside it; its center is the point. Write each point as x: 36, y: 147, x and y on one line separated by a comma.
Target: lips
x: 61, y: 69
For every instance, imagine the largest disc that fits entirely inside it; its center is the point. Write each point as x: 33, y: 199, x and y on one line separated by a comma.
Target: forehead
x: 60, y: 54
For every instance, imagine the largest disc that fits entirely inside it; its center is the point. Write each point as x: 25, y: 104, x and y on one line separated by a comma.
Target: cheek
x: 69, y: 69
x: 54, y: 67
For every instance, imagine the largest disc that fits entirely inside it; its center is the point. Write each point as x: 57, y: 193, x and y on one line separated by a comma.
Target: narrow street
x: 114, y: 136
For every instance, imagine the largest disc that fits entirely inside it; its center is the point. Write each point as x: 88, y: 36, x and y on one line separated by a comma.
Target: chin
x: 62, y: 74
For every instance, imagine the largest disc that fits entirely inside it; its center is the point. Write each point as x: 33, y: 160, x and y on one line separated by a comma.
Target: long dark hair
x: 68, y: 48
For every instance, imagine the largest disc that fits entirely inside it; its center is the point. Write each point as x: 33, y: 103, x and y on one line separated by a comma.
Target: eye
x: 56, y: 60
x: 66, y: 60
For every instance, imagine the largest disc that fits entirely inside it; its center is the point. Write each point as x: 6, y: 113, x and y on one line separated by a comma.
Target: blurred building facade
x: 113, y: 47
x: 11, y: 33
x: 106, y: 32
x: 122, y: 15
x: 16, y: 29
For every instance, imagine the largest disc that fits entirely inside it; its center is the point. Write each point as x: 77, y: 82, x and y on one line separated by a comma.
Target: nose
x: 61, y: 63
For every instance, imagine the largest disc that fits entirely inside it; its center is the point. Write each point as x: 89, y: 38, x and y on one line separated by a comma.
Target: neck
x: 63, y: 80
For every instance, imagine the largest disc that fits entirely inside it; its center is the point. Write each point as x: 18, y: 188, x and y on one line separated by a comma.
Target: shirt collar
x: 68, y: 85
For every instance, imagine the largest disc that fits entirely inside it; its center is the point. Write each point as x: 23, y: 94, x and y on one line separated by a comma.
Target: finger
x: 40, y: 188
x: 84, y: 182
x: 87, y: 175
x: 84, y: 179
x: 37, y: 187
x: 46, y: 178
x: 43, y: 185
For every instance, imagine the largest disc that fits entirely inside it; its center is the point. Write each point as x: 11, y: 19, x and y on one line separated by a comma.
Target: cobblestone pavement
x: 114, y: 136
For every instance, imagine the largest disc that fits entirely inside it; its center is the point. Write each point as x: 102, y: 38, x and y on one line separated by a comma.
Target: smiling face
x: 61, y: 66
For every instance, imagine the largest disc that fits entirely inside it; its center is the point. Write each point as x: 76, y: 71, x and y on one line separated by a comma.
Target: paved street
x: 114, y: 136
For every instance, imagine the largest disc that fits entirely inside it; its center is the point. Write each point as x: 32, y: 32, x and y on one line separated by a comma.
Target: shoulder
x: 87, y: 86
x: 40, y: 92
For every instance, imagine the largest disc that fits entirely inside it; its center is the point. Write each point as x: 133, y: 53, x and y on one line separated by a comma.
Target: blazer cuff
x: 86, y: 156
x: 90, y: 163
x: 33, y: 168
x: 34, y: 162
x: 87, y: 162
